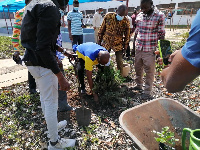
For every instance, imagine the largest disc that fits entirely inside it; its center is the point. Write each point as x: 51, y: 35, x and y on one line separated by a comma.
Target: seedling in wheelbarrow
x: 166, y: 139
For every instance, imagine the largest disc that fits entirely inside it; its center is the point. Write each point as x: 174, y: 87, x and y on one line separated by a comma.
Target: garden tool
x: 83, y: 114
x: 194, y: 139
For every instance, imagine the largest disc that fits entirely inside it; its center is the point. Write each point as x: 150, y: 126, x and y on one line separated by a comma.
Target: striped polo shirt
x: 75, y: 17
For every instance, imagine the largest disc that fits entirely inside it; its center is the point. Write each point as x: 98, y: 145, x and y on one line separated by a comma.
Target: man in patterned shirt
x: 149, y: 29
x: 15, y: 43
x: 114, y: 33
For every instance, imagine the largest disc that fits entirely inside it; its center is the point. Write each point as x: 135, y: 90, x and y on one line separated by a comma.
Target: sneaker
x: 83, y: 91
x: 61, y: 144
x: 33, y: 91
x: 61, y: 125
x: 146, y: 96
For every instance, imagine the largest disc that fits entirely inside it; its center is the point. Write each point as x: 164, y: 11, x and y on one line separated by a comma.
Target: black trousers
x: 31, y: 81
x: 81, y: 72
x: 77, y: 39
x: 128, y: 51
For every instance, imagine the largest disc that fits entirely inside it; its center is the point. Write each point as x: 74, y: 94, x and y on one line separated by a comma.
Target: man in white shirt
x: 131, y: 33
x: 97, y: 22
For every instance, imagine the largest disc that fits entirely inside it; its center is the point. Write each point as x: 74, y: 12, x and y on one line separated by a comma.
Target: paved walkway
x: 11, y: 73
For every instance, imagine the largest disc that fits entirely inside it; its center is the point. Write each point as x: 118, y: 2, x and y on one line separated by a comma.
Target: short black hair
x: 147, y: 1
x: 26, y: 1
x: 122, y: 7
x: 75, y: 2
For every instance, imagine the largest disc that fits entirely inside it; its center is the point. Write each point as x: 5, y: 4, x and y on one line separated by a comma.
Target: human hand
x: 99, y: 43
x: 171, y: 57
x: 59, y: 63
x: 64, y: 84
x: 95, y: 96
x: 83, y: 25
x: 70, y: 37
x: 16, y: 57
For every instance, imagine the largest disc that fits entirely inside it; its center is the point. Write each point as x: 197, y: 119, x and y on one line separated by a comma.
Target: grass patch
x: 6, y: 48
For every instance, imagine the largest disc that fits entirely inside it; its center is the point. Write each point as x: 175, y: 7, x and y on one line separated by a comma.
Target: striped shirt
x: 149, y: 30
x: 76, y: 21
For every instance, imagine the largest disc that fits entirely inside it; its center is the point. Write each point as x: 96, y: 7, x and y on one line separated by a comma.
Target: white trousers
x: 47, y: 84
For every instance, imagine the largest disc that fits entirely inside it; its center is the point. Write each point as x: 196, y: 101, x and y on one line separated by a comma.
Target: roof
x: 15, y: 5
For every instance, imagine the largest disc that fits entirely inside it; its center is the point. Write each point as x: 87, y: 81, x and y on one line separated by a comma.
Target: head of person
x: 75, y: 5
x: 146, y: 6
x: 135, y: 11
x: 100, y: 10
x: 122, y: 11
x: 103, y: 57
x: 27, y: 1
x: 62, y: 4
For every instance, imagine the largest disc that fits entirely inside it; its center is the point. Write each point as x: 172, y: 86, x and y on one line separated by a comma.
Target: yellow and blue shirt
x: 89, y: 53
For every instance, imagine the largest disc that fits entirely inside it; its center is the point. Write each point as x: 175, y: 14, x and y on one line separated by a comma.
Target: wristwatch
x: 64, y: 50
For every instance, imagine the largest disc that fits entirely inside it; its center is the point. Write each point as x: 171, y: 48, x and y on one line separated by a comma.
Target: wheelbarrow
x: 139, y: 122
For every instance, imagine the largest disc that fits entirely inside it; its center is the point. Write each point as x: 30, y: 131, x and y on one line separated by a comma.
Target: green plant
x: 107, y: 84
x: 166, y: 137
x: 6, y: 48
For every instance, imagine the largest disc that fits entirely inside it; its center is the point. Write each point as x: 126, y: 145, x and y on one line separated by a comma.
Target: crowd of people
x: 39, y: 24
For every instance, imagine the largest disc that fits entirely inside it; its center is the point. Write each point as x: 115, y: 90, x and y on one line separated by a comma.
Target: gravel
x: 22, y: 125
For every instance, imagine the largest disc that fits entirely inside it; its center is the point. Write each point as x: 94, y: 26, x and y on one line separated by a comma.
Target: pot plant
x: 166, y: 139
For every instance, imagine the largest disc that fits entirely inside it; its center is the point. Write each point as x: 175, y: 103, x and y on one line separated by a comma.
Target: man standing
x: 149, y: 29
x: 133, y: 29
x: 97, y: 22
x: 75, y: 24
x: 39, y: 32
x: 15, y: 43
x: 114, y: 33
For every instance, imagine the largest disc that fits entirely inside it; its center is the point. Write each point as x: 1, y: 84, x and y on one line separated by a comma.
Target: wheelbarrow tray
x: 139, y: 121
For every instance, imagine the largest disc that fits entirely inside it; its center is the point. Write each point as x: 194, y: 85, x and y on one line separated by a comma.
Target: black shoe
x: 146, y: 97
x: 136, y: 88
x: 33, y: 91
x: 83, y: 91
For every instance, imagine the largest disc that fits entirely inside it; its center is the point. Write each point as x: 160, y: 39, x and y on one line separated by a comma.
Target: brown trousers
x: 145, y: 61
x: 96, y: 34
x: 119, y: 60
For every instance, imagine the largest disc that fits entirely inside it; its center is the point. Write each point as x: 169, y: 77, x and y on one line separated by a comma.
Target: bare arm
x: 64, y: 84
x: 89, y: 77
x: 127, y: 35
x: 69, y: 30
x: 179, y: 74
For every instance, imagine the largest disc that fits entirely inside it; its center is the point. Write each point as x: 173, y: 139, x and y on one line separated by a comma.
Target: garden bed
x: 22, y: 123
